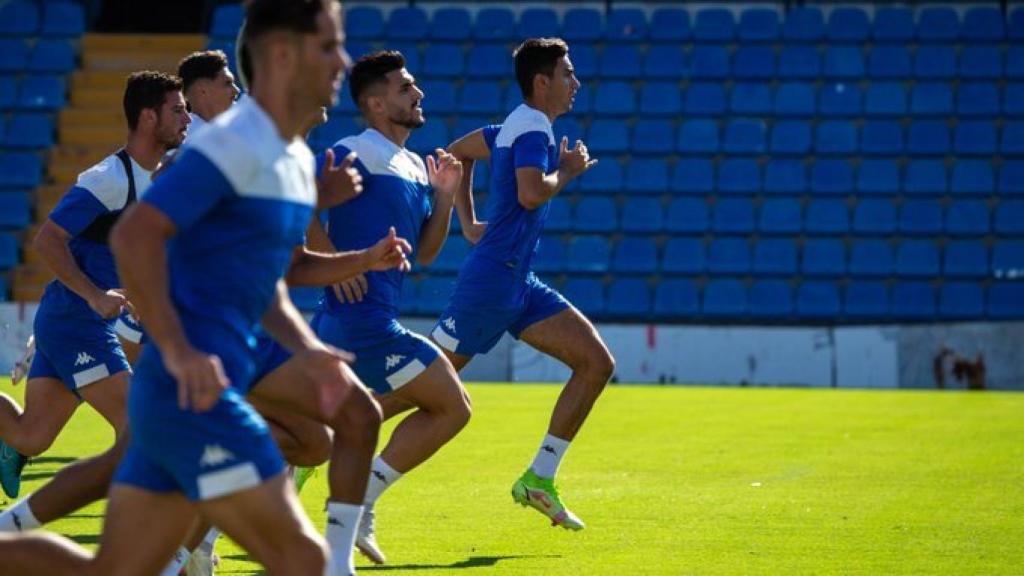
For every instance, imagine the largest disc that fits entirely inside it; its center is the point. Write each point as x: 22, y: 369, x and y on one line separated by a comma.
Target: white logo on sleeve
x: 449, y: 323
x: 215, y: 455
x: 392, y: 361
x: 83, y: 359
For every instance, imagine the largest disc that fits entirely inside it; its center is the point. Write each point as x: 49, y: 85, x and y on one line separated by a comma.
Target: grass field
x: 696, y: 481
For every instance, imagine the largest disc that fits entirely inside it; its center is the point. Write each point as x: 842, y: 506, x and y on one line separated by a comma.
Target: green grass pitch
x: 686, y: 480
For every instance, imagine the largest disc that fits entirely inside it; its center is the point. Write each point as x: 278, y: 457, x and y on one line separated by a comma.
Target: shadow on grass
x: 85, y: 539
x: 471, y: 562
x: 51, y: 460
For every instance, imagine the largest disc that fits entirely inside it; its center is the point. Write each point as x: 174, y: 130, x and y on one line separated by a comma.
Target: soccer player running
x: 233, y: 207
x: 78, y: 354
x: 496, y: 290
x: 208, y: 84
x: 362, y: 315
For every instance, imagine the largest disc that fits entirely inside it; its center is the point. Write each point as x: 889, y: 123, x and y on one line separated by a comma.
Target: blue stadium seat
x: 871, y: 257
x: 1015, y: 27
x: 1010, y: 218
x: 8, y: 92
x: 749, y: 99
x: 732, y: 216
x: 827, y: 217
x: 889, y: 62
x: 885, y: 99
x: 647, y: 175
x: 13, y: 54
x: 660, y: 99
x: 1014, y: 65
x: 979, y: 99
x: 917, y: 258
x: 739, y: 176
x: 494, y: 24
x: 981, y: 62
x: 744, y: 137
x: 584, y: 61
x: 758, y: 25
x: 804, y: 24
x: 967, y: 218
x: 865, y: 300
x: 407, y: 23
x: 443, y: 60
x: 935, y: 62
x: 823, y: 257
x: 774, y: 257
x: 551, y: 257
x: 684, y: 256
x: 665, y: 61
x: 629, y: 298
x: 780, y: 216
x: 608, y: 136
x: 8, y: 254
x: 588, y: 254
x: 364, y: 23
x: 848, y: 25
x: 466, y: 123
x: 693, y: 175
x: 635, y: 255
x: 874, y: 217
x: 754, y: 63
x: 653, y: 137
x: 771, y: 299
x: 1012, y: 142
x: 893, y: 25
x: 451, y: 23
x: 725, y: 298
x: 791, y: 137
x: 840, y: 99
x: 709, y: 62
x: 596, y: 215
x: 817, y: 299
x: 1011, y: 177
x: 538, y: 22
x: 20, y: 170
x: 799, y: 63
x: 687, y: 216
x: 795, y: 99
x: 921, y: 218
x: 931, y: 99
x: 928, y: 137
x: 642, y: 215
x: 925, y: 177
x: 704, y: 99
x: 430, y: 136
x: 1008, y: 259
x: 966, y: 259
x: 983, y: 23
x: 729, y: 256
x: 698, y: 137
x: 63, y: 20
x: 831, y: 176
x: 452, y: 254
x: 670, y: 25
x: 583, y: 103
x: 582, y: 24
x: 972, y: 177
x: 587, y: 294
x: 52, y: 56
x: 559, y: 215
x: 836, y: 137
x: 615, y: 99
x: 1006, y: 299
x: 620, y: 61
x: 33, y: 131
x: 961, y: 300
x: 881, y: 137
x: 844, y: 62
x: 439, y: 97
x: 489, y: 61
x: 15, y: 211
x: 480, y: 97
x: 785, y: 176
x: 227, y: 20
x: 878, y: 177
x: 938, y: 24
x: 605, y: 178
x: 676, y: 298
x: 913, y: 300
x: 626, y: 25
x: 977, y: 138
x: 714, y: 25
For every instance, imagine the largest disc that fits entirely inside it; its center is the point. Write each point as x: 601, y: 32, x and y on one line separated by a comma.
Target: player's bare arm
x: 445, y: 175
x: 535, y: 188
x: 469, y: 149
x: 51, y: 242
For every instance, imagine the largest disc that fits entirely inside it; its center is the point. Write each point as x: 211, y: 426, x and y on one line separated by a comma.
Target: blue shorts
x: 203, y: 455
x: 386, y: 366
x: 467, y: 330
x: 76, y: 348
x: 269, y: 357
x: 129, y: 328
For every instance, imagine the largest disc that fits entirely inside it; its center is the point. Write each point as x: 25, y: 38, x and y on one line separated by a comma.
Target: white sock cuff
x: 557, y: 443
x: 343, y: 509
x: 26, y: 519
x: 384, y: 468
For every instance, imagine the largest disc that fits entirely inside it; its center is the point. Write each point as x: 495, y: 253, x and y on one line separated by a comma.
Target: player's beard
x: 410, y: 119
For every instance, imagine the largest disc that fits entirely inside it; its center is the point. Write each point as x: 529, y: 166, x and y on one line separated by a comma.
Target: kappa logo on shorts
x: 83, y: 359
x: 449, y: 323
x: 393, y: 360
x: 215, y: 455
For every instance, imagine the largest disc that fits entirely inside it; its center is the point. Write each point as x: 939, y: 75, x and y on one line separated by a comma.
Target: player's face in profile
x: 323, y: 59
x: 564, y: 85
x: 404, y: 99
x: 222, y: 90
x: 173, y: 120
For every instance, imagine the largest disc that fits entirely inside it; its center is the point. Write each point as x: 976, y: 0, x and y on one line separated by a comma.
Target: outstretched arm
x: 445, y: 174
x: 535, y: 188
x: 469, y: 149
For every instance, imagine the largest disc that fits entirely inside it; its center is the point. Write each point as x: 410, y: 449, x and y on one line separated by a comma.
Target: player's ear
x: 148, y: 117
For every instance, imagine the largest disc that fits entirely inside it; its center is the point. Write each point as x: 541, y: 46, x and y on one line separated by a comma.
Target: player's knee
x: 359, y: 415
x: 311, y: 451
x: 305, y: 554
x: 599, y: 367
x: 33, y: 443
x: 461, y: 411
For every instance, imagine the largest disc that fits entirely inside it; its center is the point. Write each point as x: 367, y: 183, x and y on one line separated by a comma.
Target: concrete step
x: 144, y: 42
x: 94, y: 135
x: 72, y: 118
x: 101, y: 79
x: 98, y: 99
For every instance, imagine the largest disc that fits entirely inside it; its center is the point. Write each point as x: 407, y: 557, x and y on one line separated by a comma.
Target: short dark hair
x: 299, y: 16
x: 144, y: 90
x: 372, y: 69
x: 537, y: 56
x: 201, y: 65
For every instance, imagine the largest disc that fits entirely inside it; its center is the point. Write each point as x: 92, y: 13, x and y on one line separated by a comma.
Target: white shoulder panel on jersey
x: 383, y: 157
x: 521, y: 121
x: 107, y: 181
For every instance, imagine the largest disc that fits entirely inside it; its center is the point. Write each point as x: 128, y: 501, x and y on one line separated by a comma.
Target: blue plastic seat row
x: 44, y: 57
x: 15, y: 210
x: 47, y: 19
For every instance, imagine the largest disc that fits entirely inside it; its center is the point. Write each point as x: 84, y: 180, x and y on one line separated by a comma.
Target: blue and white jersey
x: 396, y: 192
x: 100, y: 190
x: 240, y: 198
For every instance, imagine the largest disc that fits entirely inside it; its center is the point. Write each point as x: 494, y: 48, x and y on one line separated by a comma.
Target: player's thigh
x: 109, y: 397
x: 131, y: 350
x: 437, y: 388
x: 49, y: 405
x: 141, y: 530
x: 458, y: 361
x: 309, y: 439
x: 294, y: 387
x: 568, y: 336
